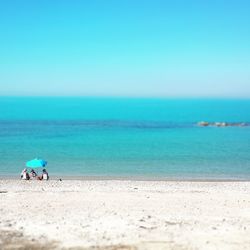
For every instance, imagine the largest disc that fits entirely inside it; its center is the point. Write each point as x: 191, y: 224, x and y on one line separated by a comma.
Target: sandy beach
x: 123, y: 214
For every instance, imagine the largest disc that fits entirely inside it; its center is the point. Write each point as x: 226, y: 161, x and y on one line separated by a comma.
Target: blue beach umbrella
x: 36, y: 163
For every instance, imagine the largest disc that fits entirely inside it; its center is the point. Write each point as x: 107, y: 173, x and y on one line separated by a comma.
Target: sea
x: 144, y: 138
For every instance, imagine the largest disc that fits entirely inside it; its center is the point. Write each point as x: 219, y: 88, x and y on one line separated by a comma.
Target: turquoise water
x: 125, y: 137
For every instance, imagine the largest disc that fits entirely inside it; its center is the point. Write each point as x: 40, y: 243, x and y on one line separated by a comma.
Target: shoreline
x: 134, y: 178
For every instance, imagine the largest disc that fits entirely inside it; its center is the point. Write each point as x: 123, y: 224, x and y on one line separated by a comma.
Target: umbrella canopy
x: 36, y: 163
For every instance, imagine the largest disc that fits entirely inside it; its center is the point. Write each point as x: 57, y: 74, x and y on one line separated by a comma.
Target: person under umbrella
x: 45, y: 175
x: 25, y: 175
x: 33, y: 174
x: 35, y: 164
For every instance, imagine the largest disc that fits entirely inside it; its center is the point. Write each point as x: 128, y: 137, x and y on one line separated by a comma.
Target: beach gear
x: 36, y: 163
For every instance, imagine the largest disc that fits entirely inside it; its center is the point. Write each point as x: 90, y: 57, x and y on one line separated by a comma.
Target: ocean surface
x: 122, y: 137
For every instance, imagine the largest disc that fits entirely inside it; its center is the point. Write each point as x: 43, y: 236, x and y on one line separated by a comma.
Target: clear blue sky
x: 125, y: 48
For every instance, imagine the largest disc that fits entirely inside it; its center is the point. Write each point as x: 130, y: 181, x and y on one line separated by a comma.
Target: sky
x: 165, y: 48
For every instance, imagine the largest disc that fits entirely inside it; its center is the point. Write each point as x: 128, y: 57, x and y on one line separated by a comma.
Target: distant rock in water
x: 203, y: 124
x: 222, y: 124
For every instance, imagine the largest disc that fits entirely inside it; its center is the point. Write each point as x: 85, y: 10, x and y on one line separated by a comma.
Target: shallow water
x: 125, y: 137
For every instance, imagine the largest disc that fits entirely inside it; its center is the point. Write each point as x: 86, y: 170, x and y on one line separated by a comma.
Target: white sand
x: 144, y: 214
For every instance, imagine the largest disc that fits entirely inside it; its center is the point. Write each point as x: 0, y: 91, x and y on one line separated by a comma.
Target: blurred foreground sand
x: 116, y: 214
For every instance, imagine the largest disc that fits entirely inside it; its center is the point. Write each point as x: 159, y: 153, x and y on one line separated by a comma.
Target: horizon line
x: 126, y: 97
